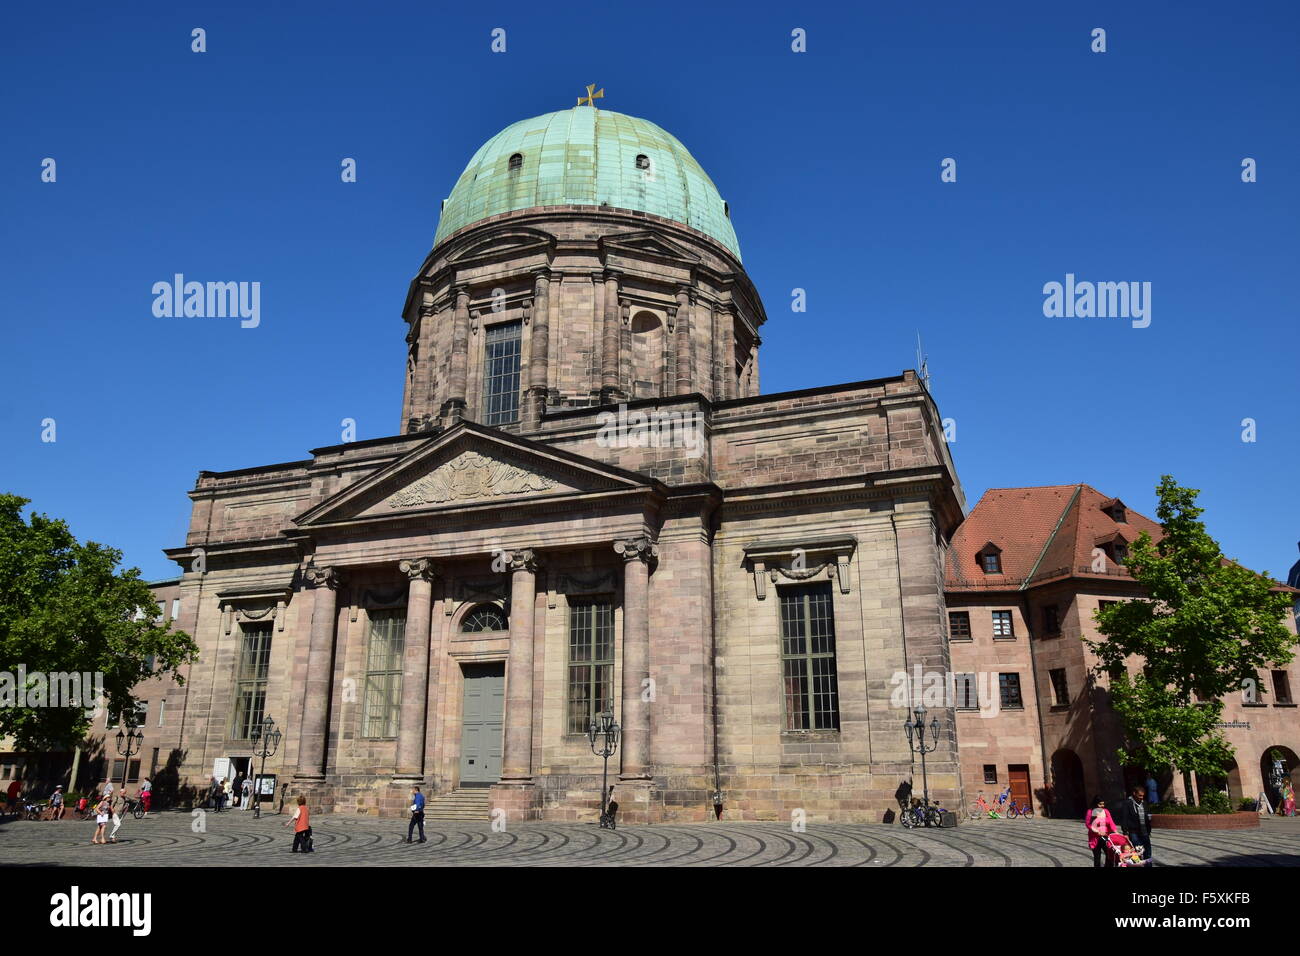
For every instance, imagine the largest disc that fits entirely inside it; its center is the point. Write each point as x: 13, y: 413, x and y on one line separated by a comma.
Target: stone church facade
x: 589, y: 505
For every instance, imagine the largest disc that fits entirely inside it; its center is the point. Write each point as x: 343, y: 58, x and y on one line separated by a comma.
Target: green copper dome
x: 588, y: 157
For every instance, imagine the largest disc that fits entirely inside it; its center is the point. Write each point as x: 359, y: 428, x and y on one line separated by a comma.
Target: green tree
x: 66, y: 607
x: 1205, y: 629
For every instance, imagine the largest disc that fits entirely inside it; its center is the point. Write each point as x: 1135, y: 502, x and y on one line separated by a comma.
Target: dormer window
x: 990, y: 559
x: 1115, y: 547
x: 642, y: 161
x: 1115, y: 509
x: 516, y: 161
x: 726, y: 209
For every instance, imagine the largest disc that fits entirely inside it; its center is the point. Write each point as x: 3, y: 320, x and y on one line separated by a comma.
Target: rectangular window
x: 251, y: 678
x: 808, y: 658
x: 176, y: 608
x: 1282, y: 688
x: 153, y: 764
x: 162, y: 710
x: 1060, y: 688
x: 591, y: 662
x: 384, y: 650
x: 1009, y: 689
x: 1002, y: 624
x: 966, y: 693
x: 959, y: 626
x: 1051, y: 620
x: 119, y: 765
x: 140, y: 716
x: 1252, y: 691
x: 1102, y: 605
x: 990, y: 773
x: 501, y: 374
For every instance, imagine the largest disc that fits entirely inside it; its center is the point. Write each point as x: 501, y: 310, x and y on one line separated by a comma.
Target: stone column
x: 415, y: 667
x: 517, y: 756
x: 457, y: 384
x: 638, y: 553
x: 685, y: 371
x: 314, y: 732
x: 610, y: 359
x: 538, y: 359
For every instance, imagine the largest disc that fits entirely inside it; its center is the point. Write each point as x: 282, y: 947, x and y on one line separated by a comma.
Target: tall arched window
x: 485, y: 617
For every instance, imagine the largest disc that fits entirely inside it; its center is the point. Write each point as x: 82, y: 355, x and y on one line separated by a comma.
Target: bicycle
x: 980, y: 810
x: 1025, y: 809
x: 922, y: 816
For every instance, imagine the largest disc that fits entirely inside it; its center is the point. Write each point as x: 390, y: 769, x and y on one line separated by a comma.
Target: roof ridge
x: 1069, y: 505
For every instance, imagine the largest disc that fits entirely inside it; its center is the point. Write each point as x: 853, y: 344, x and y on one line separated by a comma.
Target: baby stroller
x: 1123, y: 851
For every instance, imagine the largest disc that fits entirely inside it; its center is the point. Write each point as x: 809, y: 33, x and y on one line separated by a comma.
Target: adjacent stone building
x: 589, y: 505
x: 1026, y: 572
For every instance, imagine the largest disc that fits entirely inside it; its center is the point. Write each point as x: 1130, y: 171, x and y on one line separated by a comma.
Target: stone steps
x: 459, y: 805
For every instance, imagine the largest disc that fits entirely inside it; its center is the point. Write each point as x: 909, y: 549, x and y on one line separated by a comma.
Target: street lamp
x: 128, y: 745
x: 265, y: 741
x: 606, y: 732
x: 916, y: 742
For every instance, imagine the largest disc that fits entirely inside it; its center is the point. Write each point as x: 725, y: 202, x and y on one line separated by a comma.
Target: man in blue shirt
x: 417, y: 815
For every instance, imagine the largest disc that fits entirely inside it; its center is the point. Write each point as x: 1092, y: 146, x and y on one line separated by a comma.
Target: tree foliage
x: 1205, y: 629
x: 66, y: 607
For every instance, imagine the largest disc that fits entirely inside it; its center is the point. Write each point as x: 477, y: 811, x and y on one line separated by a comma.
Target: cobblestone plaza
x: 235, y: 839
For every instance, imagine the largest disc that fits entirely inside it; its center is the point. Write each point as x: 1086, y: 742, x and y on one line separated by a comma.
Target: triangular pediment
x: 647, y: 244
x: 470, y: 466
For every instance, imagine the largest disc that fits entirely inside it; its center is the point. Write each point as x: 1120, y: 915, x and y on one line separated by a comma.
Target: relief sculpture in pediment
x: 469, y: 477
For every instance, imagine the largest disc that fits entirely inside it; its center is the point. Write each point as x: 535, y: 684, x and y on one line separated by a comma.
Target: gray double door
x: 482, y: 713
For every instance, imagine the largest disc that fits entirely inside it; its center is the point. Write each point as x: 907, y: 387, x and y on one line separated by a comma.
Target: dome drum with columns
x: 594, y: 245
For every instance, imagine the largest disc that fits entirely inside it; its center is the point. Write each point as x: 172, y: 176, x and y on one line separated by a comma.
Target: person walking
x: 246, y: 796
x: 1135, y: 820
x: 218, y: 792
x: 417, y: 815
x: 227, y: 791
x: 56, y: 804
x: 101, y: 821
x: 301, y: 821
x: 237, y: 791
x: 118, y: 807
x: 1153, y: 791
x: 146, y: 794
x: 1100, y: 825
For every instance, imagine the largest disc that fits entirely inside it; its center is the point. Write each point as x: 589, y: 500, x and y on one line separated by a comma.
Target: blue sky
x: 1122, y: 166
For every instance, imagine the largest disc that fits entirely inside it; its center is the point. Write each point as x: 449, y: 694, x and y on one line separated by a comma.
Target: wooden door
x: 1018, y: 776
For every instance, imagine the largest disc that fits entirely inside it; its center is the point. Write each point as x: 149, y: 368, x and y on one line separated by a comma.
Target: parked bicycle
x: 980, y: 810
x: 1015, y: 809
x: 919, y: 815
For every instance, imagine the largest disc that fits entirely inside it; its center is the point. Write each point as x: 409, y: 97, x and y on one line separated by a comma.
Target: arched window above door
x: 485, y: 617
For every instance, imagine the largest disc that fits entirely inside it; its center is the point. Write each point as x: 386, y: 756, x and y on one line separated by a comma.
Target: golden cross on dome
x: 593, y: 94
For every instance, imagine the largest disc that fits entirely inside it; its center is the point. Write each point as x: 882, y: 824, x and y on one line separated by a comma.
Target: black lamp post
x: 916, y: 742
x: 128, y: 745
x: 604, y: 741
x: 265, y: 741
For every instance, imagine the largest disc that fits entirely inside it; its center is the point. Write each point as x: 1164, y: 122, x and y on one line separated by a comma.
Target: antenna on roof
x: 922, y: 365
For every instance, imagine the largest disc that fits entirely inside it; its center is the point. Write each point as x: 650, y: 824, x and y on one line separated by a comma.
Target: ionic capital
x: 323, y: 578
x: 419, y: 569
x: 639, y: 548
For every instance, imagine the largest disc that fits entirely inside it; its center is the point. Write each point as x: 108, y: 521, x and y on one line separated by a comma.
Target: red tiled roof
x: 1043, y: 532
